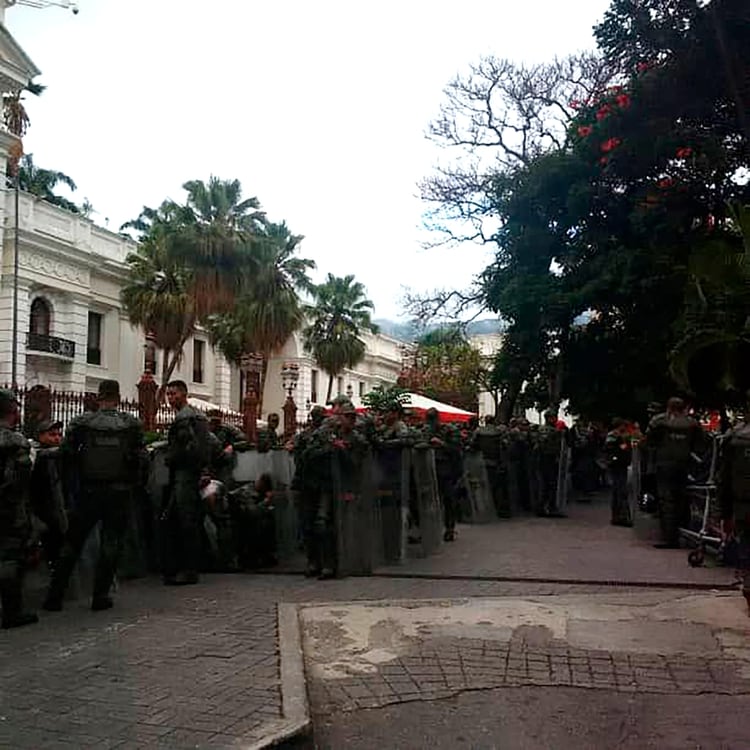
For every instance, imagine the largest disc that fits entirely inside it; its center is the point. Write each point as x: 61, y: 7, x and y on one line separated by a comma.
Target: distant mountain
x: 407, y: 331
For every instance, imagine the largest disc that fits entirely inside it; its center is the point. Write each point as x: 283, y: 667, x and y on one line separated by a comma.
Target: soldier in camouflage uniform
x: 188, y: 455
x: 618, y: 450
x: 268, y: 439
x: 104, y: 450
x: 734, y: 497
x: 230, y: 440
x: 15, y: 523
x: 308, y: 482
x: 548, y: 448
x: 674, y: 437
x: 336, y: 439
x: 47, y: 490
x: 446, y: 441
x: 491, y: 440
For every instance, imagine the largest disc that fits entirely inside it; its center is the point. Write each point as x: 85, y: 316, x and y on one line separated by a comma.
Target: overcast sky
x: 319, y: 108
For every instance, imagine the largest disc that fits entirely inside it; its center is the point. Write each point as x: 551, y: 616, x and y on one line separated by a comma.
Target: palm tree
x: 42, y: 183
x: 340, y: 314
x: 220, y: 232
x: 269, y: 310
x: 16, y: 120
x: 157, y: 297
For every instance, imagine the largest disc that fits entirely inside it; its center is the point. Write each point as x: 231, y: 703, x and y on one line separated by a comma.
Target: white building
x: 72, y: 332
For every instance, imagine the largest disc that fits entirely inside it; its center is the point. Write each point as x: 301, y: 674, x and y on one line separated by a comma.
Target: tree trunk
x: 330, y: 389
x: 170, y: 365
x: 508, y: 400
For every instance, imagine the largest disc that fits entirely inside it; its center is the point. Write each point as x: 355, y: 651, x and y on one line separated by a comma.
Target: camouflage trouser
x: 620, y: 501
x: 12, y: 571
x: 548, y: 471
x: 674, y: 509
x: 183, y: 527
x: 319, y: 528
x: 742, y: 531
x: 448, y: 490
x: 104, y: 504
x: 498, y: 479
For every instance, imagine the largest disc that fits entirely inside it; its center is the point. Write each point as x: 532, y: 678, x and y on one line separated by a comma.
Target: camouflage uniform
x: 48, y: 501
x: 307, y: 481
x: 548, y: 449
x: 188, y: 455
x: 448, y: 467
x: 15, y: 523
x: 491, y: 441
x: 331, y: 442
x: 734, y: 495
x: 673, y: 439
x: 104, y: 450
x: 619, y: 454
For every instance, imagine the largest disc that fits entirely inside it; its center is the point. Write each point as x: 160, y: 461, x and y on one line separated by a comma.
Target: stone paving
x: 199, y: 666
x: 364, y: 656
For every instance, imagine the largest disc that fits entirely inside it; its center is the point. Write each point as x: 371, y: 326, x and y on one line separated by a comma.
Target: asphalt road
x: 543, y: 719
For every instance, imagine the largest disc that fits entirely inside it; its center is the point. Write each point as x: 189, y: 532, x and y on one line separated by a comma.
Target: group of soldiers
x: 522, y: 464
x: 66, y: 486
x: 57, y: 489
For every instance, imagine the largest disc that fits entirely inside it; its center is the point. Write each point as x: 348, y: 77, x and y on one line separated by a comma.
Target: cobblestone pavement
x: 199, y: 667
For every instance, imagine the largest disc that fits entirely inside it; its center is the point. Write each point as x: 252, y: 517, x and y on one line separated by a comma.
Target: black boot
x: 11, y: 596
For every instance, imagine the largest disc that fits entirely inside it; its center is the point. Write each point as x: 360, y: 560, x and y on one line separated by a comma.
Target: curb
x: 295, y: 710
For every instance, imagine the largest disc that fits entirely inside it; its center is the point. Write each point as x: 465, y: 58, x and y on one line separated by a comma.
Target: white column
x: 222, y: 382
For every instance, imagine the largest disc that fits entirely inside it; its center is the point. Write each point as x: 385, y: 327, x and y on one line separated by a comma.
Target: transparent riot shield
x: 428, y: 499
x: 392, y: 473
x: 563, y: 474
x: 353, y: 512
x: 286, y: 516
x: 634, y: 482
x: 477, y: 482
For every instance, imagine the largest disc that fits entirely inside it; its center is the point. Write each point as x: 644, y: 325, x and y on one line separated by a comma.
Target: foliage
x: 444, y: 366
x: 337, y: 319
x: 42, y: 183
x: 384, y: 398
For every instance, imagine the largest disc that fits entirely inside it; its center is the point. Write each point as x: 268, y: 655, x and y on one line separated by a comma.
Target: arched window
x: 41, y: 317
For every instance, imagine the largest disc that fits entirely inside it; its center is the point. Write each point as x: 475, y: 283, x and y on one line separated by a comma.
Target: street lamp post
x: 252, y: 366
x: 289, y: 380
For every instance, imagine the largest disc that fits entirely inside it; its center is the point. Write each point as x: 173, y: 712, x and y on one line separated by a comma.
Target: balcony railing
x: 37, y: 342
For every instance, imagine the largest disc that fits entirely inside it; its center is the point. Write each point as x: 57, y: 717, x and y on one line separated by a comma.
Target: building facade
x: 73, y: 332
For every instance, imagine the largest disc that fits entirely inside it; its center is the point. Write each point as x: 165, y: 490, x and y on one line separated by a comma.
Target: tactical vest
x: 107, y: 451
x: 737, y: 458
x: 550, y: 442
x: 675, y: 445
x: 489, y: 442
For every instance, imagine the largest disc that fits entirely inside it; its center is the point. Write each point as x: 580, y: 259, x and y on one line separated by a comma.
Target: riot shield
x: 286, y: 516
x: 479, y: 492
x: 563, y: 473
x: 392, y: 467
x: 634, y: 481
x: 353, y: 514
x: 428, y: 500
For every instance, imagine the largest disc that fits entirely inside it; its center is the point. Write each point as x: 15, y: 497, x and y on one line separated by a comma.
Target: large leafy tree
x: 339, y: 316
x: 269, y: 309
x: 443, y: 365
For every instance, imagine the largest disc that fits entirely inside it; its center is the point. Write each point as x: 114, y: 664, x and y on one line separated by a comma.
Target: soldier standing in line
x: 229, y: 440
x: 268, y: 439
x: 619, y: 454
x: 105, y: 450
x: 15, y: 524
x: 734, y: 497
x: 674, y: 437
x: 549, y: 449
x: 446, y: 441
x: 489, y: 440
x: 47, y: 490
x: 188, y: 454
x: 308, y: 482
